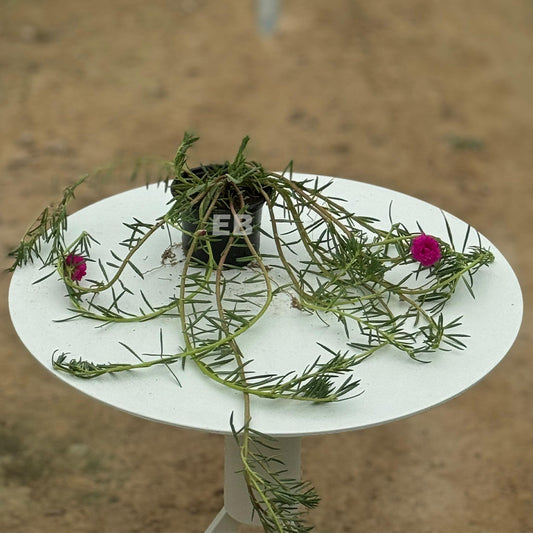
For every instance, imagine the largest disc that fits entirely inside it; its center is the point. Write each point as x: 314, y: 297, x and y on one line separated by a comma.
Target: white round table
x: 285, y: 339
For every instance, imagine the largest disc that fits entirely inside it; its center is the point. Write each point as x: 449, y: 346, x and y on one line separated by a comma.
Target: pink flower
x: 77, y: 266
x: 425, y: 249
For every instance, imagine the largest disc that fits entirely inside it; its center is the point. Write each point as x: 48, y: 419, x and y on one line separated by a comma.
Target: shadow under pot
x: 221, y: 226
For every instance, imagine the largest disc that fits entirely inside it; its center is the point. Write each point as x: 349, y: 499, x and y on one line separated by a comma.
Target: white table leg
x: 223, y: 523
x: 237, y: 507
x: 267, y: 14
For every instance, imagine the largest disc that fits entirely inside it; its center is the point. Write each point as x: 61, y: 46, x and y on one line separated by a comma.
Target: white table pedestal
x: 237, y: 507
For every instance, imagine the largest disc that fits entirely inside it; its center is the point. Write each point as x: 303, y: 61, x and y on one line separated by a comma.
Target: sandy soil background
x: 430, y: 98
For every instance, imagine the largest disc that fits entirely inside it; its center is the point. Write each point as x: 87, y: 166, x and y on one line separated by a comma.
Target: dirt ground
x: 430, y: 98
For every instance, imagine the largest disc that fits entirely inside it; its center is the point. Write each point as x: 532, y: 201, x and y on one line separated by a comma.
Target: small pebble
x: 29, y: 33
x: 26, y: 140
x: 78, y: 449
x: 18, y: 159
x: 57, y: 147
x: 32, y: 34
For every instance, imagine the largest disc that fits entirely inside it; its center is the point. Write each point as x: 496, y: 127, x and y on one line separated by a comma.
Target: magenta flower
x: 77, y: 266
x: 425, y: 249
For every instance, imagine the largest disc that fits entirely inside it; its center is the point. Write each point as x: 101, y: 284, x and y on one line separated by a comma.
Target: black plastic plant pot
x: 220, y: 227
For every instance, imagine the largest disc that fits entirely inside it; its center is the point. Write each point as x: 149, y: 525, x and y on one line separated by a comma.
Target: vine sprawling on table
x: 392, y: 284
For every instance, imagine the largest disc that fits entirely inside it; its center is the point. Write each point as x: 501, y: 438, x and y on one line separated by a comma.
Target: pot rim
x: 255, y: 201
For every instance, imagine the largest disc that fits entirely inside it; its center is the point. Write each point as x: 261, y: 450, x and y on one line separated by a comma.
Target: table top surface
x: 392, y: 385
